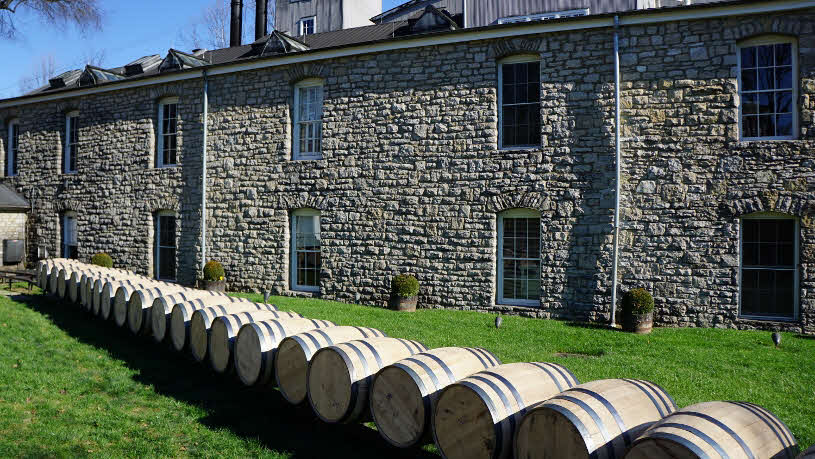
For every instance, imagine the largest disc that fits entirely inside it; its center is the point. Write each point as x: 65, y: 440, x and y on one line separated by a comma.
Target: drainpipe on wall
x: 618, y: 154
x: 204, y: 177
x: 464, y: 14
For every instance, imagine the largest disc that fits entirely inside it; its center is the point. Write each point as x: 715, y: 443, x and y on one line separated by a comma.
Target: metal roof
x: 11, y: 200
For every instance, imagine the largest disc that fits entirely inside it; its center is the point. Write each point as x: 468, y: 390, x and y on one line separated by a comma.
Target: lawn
x: 71, y: 385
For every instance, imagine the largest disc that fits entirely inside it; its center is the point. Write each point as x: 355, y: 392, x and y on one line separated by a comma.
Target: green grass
x: 71, y: 385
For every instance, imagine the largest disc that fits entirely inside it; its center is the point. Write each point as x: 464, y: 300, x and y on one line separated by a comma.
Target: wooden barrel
x: 599, y: 419
x: 295, y: 352
x: 121, y: 298
x: 108, y: 293
x: 62, y: 281
x: 140, y: 304
x: 179, y: 327
x: 717, y: 429
x: 339, y: 376
x: 201, y: 323
x: 477, y: 416
x: 404, y: 395
x: 53, y: 276
x: 808, y: 454
x: 73, y: 286
x: 224, y: 331
x: 91, y: 295
x: 257, y: 342
x: 86, y: 281
x: 163, y: 307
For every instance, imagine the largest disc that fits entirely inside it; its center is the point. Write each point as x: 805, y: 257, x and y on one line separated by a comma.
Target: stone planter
x: 215, y: 286
x: 639, y: 323
x: 398, y: 303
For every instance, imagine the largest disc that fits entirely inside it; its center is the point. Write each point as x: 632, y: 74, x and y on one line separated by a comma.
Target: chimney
x: 260, y: 18
x: 236, y: 23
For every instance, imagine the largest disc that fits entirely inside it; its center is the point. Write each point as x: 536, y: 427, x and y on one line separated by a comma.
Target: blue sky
x: 131, y: 29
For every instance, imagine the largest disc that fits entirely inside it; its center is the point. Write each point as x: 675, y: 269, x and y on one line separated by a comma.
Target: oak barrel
x: 163, y: 307
x: 140, y: 304
x: 295, y: 352
x: 86, y: 282
x: 717, y: 429
x: 257, y: 342
x: 201, y: 323
x: 225, y: 329
x: 121, y: 298
x: 182, y: 314
x: 404, y: 394
x: 339, y: 376
x: 477, y: 416
x: 108, y: 293
x: 599, y: 419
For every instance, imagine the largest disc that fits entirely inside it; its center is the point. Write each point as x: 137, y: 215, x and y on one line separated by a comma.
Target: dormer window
x: 308, y: 25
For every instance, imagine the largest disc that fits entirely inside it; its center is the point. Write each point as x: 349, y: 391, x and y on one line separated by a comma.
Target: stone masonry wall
x: 411, y: 179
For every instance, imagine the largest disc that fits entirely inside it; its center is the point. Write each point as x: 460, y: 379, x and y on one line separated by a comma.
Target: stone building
x: 480, y: 160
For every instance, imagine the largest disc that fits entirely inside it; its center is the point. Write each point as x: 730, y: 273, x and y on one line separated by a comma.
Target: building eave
x: 631, y: 18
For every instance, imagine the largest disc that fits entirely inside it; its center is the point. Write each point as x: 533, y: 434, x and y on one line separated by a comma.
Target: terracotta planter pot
x: 399, y: 303
x: 214, y: 286
x: 639, y: 323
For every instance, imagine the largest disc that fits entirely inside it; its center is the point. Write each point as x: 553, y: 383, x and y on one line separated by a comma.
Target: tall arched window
x: 769, y: 266
x: 165, y: 243
x: 305, y: 250
x: 519, y: 260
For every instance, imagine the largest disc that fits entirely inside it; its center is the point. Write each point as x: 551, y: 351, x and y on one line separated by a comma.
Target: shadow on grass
x: 252, y: 413
x: 591, y: 326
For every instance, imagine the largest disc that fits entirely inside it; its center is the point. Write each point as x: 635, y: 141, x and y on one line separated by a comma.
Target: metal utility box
x: 13, y: 250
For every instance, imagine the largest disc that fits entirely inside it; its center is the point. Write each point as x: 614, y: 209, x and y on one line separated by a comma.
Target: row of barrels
x: 464, y: 399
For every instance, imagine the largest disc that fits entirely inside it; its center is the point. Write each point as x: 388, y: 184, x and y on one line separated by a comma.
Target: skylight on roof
x: 545, y: 16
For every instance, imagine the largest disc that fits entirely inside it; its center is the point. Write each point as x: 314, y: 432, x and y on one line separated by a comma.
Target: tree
x: 85, y: 14
x: 211, y: 29
x: 45, y: 69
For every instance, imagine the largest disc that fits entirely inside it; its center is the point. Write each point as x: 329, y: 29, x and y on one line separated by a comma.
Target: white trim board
x: 486, y: 33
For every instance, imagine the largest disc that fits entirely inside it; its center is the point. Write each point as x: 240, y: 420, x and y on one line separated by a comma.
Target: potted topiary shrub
x: 638, y: 311
x: 214, y: 277
x: 404, y: 291
x: 103, y: 260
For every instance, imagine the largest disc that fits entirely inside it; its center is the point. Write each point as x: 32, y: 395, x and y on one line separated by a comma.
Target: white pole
x: 618, y: 154
x: 204, y: 177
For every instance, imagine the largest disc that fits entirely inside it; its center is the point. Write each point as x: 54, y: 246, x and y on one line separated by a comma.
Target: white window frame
x: 12, y: 147
x: 293, y: 249
x: 796, y: 264
x: 771, y: 40
x: 160, y: 132
x: 158, y: 246
x: 516, y: 59
x: 512, y: 213
x: 66, y: 164
x: 302, y: 23
x: 64, y: 243
x: 296, y: 154
x: 545, y: 16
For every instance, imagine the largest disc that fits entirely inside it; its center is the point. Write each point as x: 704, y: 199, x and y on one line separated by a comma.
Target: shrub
x: 637, y: 301
x: 102, y: 259
x: 213, y: 271
x: 405, y: 286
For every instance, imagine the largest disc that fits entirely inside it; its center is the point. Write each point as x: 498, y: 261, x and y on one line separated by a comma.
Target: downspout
x: 618, y: 154
x: 464, y: 14
x: 204, y: 176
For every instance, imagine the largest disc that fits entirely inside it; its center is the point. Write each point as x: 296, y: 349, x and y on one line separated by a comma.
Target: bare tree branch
x: 44, y: 70
x: 84, y: 14
x: 211, y: 29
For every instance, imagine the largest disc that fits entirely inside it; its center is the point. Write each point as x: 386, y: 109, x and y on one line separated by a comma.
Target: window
x: 307, y: 25
x: 768, y: 89
x: 165, y: 245
x: 308, y: 123
x: 305, y: 250
x: 519, y: 99
x: 12, y: 148
x: 71, y: 142
x: 167, y: 142
x: 545, y: 16
x: 519, y: 261
x: 70, y: 248
x: 769, y: 260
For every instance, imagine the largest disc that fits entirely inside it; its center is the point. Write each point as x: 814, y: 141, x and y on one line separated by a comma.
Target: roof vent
x: 277, y: 43
x: 177, y: 60
x: 199, y: 52
x: 65, y: 79
x: 142, y: 64
x: 95, y: 75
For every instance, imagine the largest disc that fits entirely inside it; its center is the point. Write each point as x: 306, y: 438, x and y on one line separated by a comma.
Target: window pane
x: 750, y: 126
x: 783, y: 102
x: 765, y: 55
x: 783, y: 54
x: 766, y: 125
x: 166, y: 263
x: 748, y: 57
x: 766, y: 78
x: 749, y: 80
x: 750, y: 254
x: 783, y: 125
x: 766, y: 102
x: 783, y: 77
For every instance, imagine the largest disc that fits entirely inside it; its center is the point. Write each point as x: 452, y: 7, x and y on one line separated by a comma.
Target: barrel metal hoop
x: 362, y: 330
x: 405, y: 343
x: 451, y: 378
x: 724, y: 427
x: 279, y: 327
x: 768, y: 420
x: 507, y: 405
x: 304, y: 346
x: 428, y: 370
x: 517, y: 395
x: 611, y: 409
x: 499, y: 433
x: 490, y: 356
x: 636, y: 383
x: 478, y: 356
x: 361, y: 357
x: 597, y: 421
x: 559, y: 369
x: 374, y: 352
x: 713, y: 444
x: 551, y: 376
x: 660, y: 392
x: 682, y: 441
x: 577, y: 423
